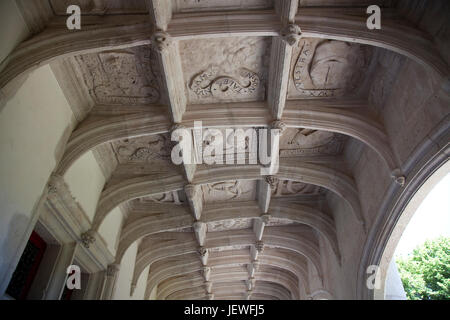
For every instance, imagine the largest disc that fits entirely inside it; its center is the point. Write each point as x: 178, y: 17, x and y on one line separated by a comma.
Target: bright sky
x: 431, y: 220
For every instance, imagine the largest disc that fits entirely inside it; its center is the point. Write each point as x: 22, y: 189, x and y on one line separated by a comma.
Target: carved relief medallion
x: 328, y: 68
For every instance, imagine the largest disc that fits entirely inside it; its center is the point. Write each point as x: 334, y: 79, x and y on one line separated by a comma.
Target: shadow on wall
x: 11, y: 241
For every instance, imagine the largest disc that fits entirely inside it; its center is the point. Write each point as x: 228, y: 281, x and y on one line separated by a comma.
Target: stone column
x: 112, y: 272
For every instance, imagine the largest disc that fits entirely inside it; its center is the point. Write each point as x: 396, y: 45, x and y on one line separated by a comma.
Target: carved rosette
x: 291, y: 34
x: 161, y: 40
x: 88, y: 238
x: 272, y: 181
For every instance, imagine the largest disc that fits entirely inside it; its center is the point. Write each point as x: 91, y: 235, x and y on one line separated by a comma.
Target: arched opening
x: 410, y: 231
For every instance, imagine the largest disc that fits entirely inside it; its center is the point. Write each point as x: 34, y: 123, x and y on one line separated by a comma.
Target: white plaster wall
x: 34, y: 128
x: 13, y: 29
x: 139, y: 292
x: 85, y: 180
x: 110, y: 228
x: 123, y: 284
x: 342, y: 279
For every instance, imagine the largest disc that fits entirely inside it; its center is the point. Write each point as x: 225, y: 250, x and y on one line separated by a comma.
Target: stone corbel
x: 161, y: 40
x: 88, y: 238
x: 250, y: 283
x: 55, y: 183
x: 195, y: 199
x: 200, y: 229
x: 206, y: 273
x: 259, y: 246
x: 208, y: 285
x: 258, y: 226
x: 272, y: 181
x: 291, y: 34
x: 204, y: 254
x: 398, y: 177
x: 253, y: 253
x: 278, y: 125
x: 99, y: 7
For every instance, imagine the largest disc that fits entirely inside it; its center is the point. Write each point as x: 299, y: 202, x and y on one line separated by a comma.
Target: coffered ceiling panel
x: 225, y: 69
x: 327, y: 68
x: 229, y: 190
x: 306, y: 142
x: 121, y: 77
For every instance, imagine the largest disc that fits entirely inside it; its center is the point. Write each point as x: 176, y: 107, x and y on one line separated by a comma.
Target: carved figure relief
x: 307, y: 142
x: 328, y: 68
x: 291, y: 188
x: 121, y: 77
x: 145, y: 149
x: 229, y: 190
x: 227, y: 69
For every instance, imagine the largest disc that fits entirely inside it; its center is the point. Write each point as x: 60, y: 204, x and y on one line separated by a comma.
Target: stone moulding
x: 152, y: 224
x: 316, y: 174
x: 292, y: 263
x: 271, y: 258
x: 65, y: 214
x: 318, y: 115
x: 56, y: 42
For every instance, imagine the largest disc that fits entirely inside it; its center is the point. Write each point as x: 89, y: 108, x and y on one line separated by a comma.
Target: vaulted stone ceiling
x: 225, y: 231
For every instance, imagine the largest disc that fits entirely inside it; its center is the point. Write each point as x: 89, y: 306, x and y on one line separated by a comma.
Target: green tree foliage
x: 425, y: 272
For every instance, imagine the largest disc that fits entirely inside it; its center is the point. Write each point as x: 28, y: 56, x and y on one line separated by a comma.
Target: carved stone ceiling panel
x: 295, y: 188
x: 225, y: 69
x: 122, y: 77
x: 240, y: 190
x: 153, y: 148
x: 327, y: 68
x: 167, y: 197
x: 218, y: 5
x: 235, y: 224
x: 227, y: 144
x: 307, y: 142
x: 101, y: 6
